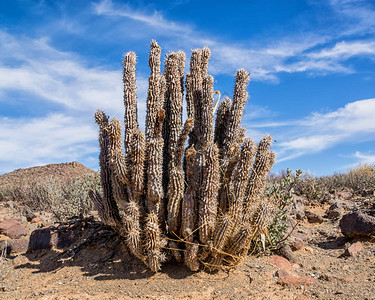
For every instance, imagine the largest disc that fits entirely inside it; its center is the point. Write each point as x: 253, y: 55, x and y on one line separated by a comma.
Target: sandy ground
x: 35, y: 276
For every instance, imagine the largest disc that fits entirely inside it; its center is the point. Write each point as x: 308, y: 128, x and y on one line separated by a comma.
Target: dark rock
x: 313, y: 217
x: 44, y: 238
x: 49, y: 237
x: 354, y: 249
x: 287, y: 252
x: 297, y: 241
x: 28, y: 214
x: 12, y: 228
x: 336, y: 210
x: 357, y: 224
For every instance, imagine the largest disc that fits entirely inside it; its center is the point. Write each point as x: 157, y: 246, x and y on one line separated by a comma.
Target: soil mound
x: 61, y: 172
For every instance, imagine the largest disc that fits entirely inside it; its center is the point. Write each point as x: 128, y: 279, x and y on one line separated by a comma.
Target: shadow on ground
x: 97, y: 249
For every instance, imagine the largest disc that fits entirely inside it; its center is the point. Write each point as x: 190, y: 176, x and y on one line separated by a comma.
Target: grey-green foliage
x: 281, y: 192
x: 63, y: 199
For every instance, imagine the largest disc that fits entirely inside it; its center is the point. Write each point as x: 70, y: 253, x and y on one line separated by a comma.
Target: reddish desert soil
x: 106, y: 271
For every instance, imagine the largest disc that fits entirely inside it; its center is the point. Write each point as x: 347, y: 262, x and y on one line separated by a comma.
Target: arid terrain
x: 81, y: 259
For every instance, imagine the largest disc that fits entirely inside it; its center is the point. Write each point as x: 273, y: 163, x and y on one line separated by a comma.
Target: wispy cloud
x: 156, y: 19
x: 308, y: 52
x: 353, y: 123
x: 365, y: 158
x: 44, y: 73
x: 359, y: 14
x: 27, y: 142
x: 33, y: 66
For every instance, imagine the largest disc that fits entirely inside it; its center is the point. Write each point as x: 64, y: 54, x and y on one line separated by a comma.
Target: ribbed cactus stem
x: 130, y: 103
x: 152, y: 245
x: 262, y: 165
x: 137, y: 154
x: 188, y: 126
x: 174, y: 102
x: 206, y: 120
x: 191, y: 257
x: 174, y: 194
x: 133, y: 229
x: 155, y: 192
x: 209, y: 193
x: 222, y: 121
x: 189, y: 209
x: 130, y: 94
x: 116, y: 153
x: 154, y: 101
x: 239, y: 178
x: 97, y: 200
x: 239, y: 100
x: 205, y: 57
x: 194, y: 93
x: 222, y: 229
x: 189, y: 96
x: 259, y: 185
x: 111, y: 211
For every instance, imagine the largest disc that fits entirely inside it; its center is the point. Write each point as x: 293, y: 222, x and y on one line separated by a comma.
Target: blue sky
x: 312, y: 66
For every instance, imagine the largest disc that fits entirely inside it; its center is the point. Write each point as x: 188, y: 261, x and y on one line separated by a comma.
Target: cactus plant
x: 202, y: 205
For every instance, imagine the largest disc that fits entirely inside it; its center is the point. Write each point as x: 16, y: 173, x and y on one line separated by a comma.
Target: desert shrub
x: 280, y: 190
x: 63, y: 199
x: 359, y: 181
x: 315, y: 189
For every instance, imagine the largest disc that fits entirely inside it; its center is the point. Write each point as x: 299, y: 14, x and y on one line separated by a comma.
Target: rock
x: 357, y: 224
x: 297, y: 281
x: 313, y: 217
x: 287, y: 252
x: 336, y: 279
x: 15, y: 245
x: 11, y: 204
x: 280, y: 262
x: 28, y: 214
x: 336, y: 210
x: 354, y: 249
x: 36, y: 220
x: 44, y: 238
x: 281, y: 273
x: 297, y: 241
x: 12, y: 228
x: 49, y: 237
x: 300, y: 215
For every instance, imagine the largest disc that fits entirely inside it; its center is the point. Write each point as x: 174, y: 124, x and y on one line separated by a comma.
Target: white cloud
x: 61, y: 77
x: 26, y: 142
x: 368, y: 159
x: 359, y: 15
x: 353, y: 123
x: 156, y: 20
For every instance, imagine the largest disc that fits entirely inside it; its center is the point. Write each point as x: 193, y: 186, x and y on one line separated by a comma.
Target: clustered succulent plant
x: 203, y: 204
